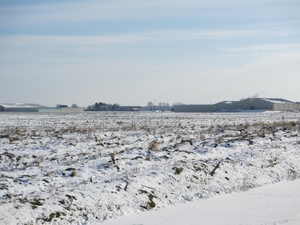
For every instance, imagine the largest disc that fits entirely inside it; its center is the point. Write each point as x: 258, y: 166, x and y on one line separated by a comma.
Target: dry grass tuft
x: 153, y: 145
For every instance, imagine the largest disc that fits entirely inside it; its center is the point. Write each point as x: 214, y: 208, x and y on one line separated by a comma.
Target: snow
x: 272, y: 204
x: 277, y: 100
x: 90, y: 167
x: 228, y: 102
x: 21, y: 105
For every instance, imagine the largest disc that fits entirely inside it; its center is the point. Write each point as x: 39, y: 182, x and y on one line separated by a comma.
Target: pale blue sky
x: 134, y: 51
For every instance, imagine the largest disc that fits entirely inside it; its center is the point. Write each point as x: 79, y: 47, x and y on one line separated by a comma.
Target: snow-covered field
x: 89, y: 167
x: 272, y: 204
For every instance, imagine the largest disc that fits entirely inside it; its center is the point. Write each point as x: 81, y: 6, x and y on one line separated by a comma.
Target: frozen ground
x: 269, y: 205
x: 89, y: 167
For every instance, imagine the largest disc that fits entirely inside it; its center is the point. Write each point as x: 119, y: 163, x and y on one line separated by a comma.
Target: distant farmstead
x: 20, y: 107
x: 61, y: 110
x: 25, y: 107
x: 62, y: 106
x: 249, y: 104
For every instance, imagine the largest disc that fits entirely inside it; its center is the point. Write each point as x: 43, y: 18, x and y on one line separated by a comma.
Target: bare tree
x: 150, y: 104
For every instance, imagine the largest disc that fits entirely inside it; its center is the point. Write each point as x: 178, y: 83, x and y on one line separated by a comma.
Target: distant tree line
x: 161, y: 104
x: 66, y: 106
x: 101, y: 106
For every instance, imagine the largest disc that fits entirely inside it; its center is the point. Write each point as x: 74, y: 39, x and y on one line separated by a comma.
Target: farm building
x: 20, y: 107
x: 129, y: 108
x: 24, y: 107
x: 275, y: 104
x: 61, y: 110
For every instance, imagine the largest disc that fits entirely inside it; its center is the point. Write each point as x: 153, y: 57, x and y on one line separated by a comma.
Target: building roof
x: 228, y: 102
x: 277, y: 100
x: 271, y: 100
x: 21, y: 105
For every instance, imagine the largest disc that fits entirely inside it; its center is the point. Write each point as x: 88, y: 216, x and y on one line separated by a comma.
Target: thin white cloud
x: 266, y: 48
x: 153, y: 36
x: 134, y: 9
x: 70, y: 48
